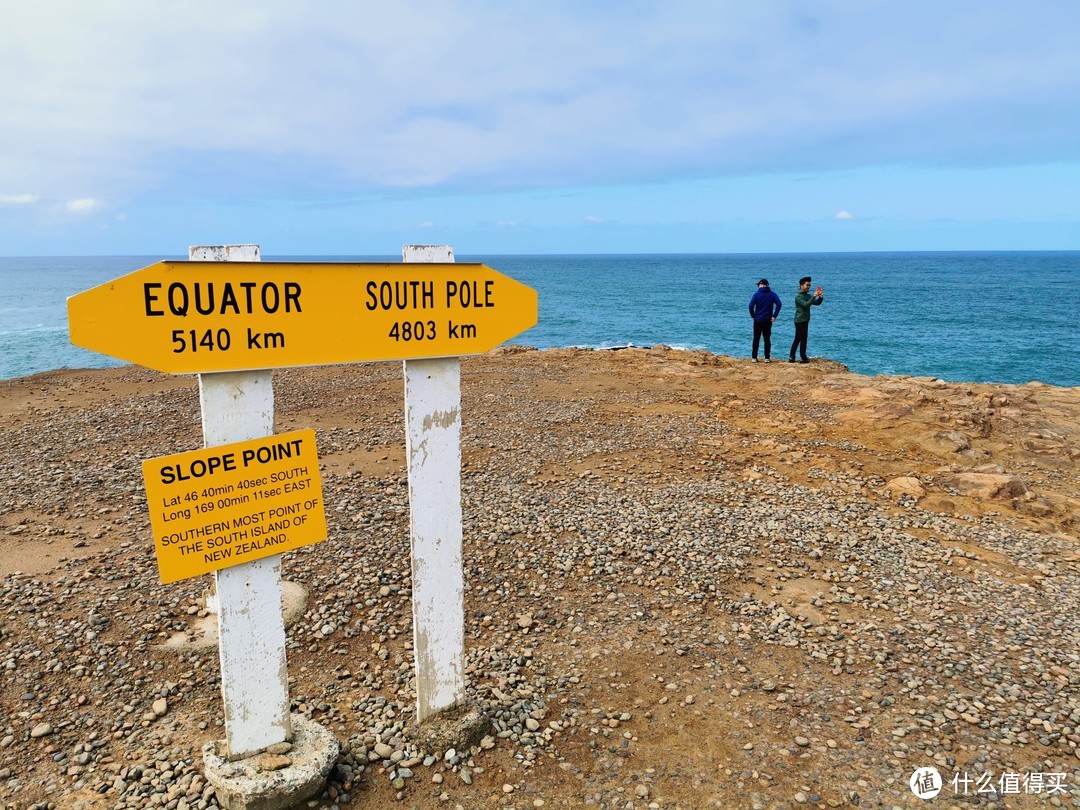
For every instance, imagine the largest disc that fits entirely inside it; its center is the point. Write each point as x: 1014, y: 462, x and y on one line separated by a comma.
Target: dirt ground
x: 711, y: 583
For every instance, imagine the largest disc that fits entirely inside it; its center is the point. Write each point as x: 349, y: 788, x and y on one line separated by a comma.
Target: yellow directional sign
x: 188, y: 317
x: 234, y: 503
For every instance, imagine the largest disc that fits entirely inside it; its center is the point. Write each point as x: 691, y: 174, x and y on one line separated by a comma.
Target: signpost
x: 230, y: 324
x: 189, y: 317
x: 238, y: 407
x: 433, y: 455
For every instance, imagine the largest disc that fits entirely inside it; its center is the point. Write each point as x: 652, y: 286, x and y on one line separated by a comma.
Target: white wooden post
x: 238, y: 406
x: 433, y: 454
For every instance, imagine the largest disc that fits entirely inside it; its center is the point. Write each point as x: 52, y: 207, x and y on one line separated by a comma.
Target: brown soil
x: 712, y: 722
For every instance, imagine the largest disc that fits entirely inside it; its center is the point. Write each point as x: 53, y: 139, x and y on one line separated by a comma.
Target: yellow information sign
x: 192, y: 317
x: 234, y: 503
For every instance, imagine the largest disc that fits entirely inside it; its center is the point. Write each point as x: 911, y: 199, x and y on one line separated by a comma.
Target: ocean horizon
x: 994, y: 316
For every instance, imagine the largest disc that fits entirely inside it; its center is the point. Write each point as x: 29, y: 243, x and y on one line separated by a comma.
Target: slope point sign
x: 230, y: 504
x: 193, y: 317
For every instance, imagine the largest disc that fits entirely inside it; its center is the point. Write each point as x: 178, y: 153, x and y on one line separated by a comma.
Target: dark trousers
x: 800, y: 340
x: 763, y: 329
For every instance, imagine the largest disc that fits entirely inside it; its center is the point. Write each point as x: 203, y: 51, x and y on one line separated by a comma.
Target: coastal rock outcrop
x: 906, y: 485
x: 987, y: 485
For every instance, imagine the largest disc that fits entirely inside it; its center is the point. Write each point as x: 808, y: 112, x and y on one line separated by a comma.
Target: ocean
x: 975, y: 317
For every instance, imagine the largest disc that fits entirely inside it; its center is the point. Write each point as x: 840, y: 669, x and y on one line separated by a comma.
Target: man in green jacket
x: 803, y: 302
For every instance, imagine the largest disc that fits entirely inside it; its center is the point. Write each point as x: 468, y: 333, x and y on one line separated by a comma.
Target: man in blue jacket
x: 764, y: 307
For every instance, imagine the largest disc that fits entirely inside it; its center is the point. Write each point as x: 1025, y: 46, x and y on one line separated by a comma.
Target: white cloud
x: 427, y: 223
x: 129, y: 97
x: 591, y: 219
x: 84, y: 205
x: 844, y: 215
x: 18, y: 199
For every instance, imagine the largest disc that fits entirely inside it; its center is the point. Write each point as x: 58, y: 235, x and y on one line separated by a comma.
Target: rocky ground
x: 692, y: 582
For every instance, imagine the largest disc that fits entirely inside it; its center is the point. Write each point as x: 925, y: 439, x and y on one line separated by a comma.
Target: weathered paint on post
x: 238, y: 406
x: 433, y: 455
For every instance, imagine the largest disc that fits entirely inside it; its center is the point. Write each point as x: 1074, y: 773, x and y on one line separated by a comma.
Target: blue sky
x: 344, y: 127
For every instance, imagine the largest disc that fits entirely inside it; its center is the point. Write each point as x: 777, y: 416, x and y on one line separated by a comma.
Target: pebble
x: 790, y: 595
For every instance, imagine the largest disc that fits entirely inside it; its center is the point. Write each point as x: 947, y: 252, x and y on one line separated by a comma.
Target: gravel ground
x: 691, y: 582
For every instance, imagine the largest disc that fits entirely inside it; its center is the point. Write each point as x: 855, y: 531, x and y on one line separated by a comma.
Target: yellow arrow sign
x: 193, y: 317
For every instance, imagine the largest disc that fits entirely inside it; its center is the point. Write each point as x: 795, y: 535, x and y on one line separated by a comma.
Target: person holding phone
x: 803, y: 302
